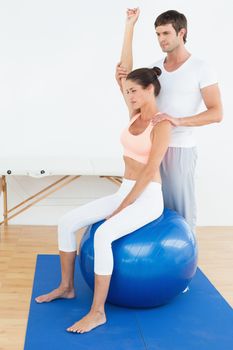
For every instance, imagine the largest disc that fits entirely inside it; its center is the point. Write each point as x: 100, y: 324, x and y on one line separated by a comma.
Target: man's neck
x: 179, y: 55
x: 176, y: 58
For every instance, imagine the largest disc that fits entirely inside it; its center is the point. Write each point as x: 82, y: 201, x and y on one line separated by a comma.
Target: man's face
x: 167, y: 37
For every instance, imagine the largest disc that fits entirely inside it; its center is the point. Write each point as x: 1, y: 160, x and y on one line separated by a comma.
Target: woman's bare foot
x: 58, y: 293
x: 92, y: 320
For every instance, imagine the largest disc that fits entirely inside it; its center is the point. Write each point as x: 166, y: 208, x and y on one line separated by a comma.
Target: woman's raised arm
x: 126, y: 60
x: 126, y: 52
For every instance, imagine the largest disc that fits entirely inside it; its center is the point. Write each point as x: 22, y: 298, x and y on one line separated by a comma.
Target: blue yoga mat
x: 200, y: 319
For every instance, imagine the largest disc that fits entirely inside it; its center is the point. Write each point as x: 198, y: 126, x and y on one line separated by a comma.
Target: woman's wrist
x: 130, y: 25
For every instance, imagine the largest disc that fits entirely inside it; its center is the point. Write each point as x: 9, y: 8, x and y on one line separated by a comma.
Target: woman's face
x: 137, y: 95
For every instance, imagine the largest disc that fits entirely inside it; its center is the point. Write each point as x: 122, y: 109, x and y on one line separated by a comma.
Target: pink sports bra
x: 137, y: 146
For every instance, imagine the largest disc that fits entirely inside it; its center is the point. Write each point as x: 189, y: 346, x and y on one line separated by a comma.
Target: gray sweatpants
x: 178, y: 182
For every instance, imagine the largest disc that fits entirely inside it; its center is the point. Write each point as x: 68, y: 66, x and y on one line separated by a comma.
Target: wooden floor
x: 19, y: 246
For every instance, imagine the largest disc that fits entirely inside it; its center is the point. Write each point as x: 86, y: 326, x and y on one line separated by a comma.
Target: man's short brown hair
x: 177, y: 19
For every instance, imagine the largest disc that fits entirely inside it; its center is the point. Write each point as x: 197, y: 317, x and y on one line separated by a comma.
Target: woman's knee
x: 102, y: 238
x: 66, y: 224
x: 66, y: 234
x: 62, y: 223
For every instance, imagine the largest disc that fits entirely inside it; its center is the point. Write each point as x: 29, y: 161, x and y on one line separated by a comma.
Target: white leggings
x: 146, y: 208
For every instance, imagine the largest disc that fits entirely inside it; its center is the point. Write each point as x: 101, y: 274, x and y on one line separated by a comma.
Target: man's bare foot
x: 92, y: 320
x: 56, y: 294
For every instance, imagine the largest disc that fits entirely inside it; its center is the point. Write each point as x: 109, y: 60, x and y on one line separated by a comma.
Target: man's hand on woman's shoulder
x: 163, y: 116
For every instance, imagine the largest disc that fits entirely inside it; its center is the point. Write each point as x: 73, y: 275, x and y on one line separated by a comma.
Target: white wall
x: 82, y: 40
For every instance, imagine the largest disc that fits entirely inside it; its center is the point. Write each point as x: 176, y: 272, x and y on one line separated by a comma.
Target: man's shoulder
x: 198, y: 61
x: 206, y: 73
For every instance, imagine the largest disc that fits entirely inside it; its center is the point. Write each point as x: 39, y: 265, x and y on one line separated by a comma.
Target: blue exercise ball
x: 152, y: 265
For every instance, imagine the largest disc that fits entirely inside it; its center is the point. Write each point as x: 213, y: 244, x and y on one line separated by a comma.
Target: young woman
x: 137, y: 202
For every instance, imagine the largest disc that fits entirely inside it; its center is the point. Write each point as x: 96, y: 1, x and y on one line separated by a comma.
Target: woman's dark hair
x: 175, y: 18
x: 145, y: 77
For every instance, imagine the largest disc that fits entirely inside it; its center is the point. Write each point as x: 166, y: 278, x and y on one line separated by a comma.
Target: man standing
x: 186, y: 82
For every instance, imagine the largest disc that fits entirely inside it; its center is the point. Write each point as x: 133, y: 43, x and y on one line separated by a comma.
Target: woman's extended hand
x: 132, y: 15
x: 163, y: 116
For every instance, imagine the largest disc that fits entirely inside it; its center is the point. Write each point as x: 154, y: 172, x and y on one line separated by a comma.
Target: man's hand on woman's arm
x: 120, y: 73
